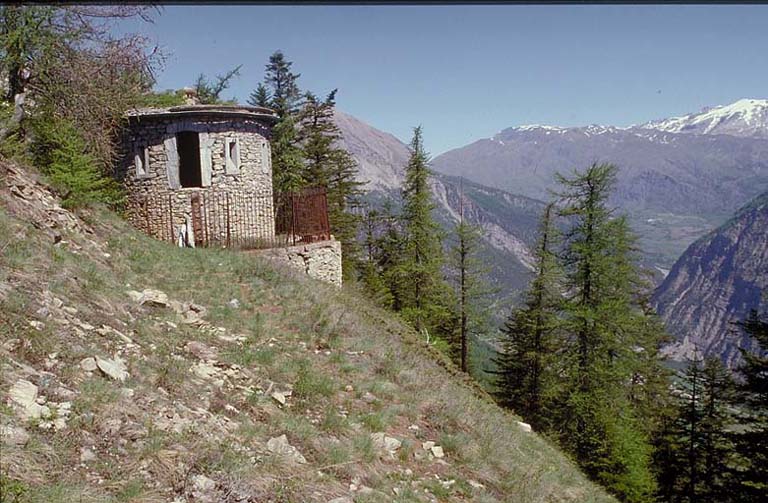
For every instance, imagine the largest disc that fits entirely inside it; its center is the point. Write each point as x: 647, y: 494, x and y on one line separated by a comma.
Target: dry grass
x: 328, y: 347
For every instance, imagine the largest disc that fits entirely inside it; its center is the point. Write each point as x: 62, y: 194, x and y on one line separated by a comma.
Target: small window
x: 188, y: 147
x: 232, y: 156
x: 141, y: 161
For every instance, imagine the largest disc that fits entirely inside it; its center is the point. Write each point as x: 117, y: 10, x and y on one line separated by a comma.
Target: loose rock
x: 154, y: 298
x: 13, y: 435
x: 88, y: 364
x: 24, y: 395
x: 525, y: 427
x: 115, y: 368
x: 280, y: 447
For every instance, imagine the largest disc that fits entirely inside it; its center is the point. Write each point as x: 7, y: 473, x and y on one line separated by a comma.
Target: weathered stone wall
x: 158, y: 205
x: 321, y: 260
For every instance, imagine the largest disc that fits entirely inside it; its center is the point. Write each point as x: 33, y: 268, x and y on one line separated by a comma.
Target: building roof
x: 209, y: 111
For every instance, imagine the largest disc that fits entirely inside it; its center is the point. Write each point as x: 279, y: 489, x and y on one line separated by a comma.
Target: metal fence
x: 234, y: 220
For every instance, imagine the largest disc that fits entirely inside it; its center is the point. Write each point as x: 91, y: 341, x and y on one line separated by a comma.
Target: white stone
x: 278, y: 397
x: 115, y: 368
x: 24, y: 394
x: 234, y: 304
x: 427, y: 445
x: 437, y: 451
x: 88, y: 364
x: 37, y: 325
x: 525, y: 427
x: 279, y: 446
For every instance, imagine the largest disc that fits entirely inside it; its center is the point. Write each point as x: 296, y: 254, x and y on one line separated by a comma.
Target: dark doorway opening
x: 188, y: 146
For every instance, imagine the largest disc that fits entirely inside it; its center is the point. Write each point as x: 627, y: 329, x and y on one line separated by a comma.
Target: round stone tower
x: 200, y: 173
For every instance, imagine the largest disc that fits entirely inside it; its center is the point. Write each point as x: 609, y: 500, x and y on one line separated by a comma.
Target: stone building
x: 201, y: 175
x: 199, y: 169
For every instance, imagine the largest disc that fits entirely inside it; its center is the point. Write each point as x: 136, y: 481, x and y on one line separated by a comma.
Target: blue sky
x: 466, y: 72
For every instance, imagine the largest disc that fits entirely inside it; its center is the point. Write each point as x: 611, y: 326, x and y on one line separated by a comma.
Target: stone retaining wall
x: 321, y: 260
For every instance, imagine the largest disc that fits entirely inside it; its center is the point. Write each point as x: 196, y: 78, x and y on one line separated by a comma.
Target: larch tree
x: 426, y: 299
x: 605, y: 329
x: 472, y: 287
x: 526, y: 375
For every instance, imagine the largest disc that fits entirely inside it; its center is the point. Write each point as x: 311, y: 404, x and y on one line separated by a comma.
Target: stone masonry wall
x: 321, y: 260
x: 158, y: 205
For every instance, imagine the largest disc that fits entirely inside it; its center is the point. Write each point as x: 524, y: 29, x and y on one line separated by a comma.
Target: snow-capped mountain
x: 746, y: 117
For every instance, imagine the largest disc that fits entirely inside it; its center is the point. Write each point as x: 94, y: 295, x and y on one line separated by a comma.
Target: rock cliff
x: 715, y: 283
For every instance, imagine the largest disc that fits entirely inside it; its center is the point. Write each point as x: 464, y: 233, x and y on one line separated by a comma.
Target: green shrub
x: 60, y: 152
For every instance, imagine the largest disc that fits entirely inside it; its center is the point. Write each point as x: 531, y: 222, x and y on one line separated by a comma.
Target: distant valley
x: 679, y: 179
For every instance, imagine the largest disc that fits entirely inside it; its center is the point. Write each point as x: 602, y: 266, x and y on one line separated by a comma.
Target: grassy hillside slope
x: 198, y: 416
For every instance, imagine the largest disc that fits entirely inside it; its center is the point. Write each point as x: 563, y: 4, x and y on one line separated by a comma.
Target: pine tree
x: 526, y: 376
x: 605, y: 325
x: 260, y: 97
x: 287, y: 159
x: 426, y: 299
x: 330, y: 166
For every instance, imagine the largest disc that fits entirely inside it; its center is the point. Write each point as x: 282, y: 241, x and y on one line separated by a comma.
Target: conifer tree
x: 390, y: 253
x: 287, y: 159
x: 526, y: 376
x: 426, y: 299
x: 372, y: 272
x: 473, y: 290
x: 696, y: 466
x: 282, y: 83
x: 260, y: 97
x: 605, y: 325
x: 751, y: 439
x: 328, y: 165
x: 209, y: 93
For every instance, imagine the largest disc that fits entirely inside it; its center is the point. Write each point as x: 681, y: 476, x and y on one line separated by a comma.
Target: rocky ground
x: 136, y: 371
